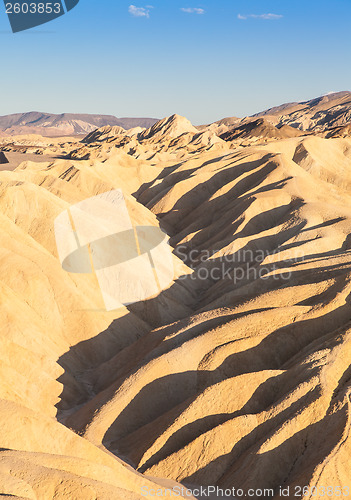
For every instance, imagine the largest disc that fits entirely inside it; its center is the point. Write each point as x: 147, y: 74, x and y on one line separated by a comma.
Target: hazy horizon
x: 160, y: 117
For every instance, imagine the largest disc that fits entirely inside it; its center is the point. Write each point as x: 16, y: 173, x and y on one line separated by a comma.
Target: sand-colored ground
x: 15, y: 150
x: 237, y: 375
x: 15, y: 159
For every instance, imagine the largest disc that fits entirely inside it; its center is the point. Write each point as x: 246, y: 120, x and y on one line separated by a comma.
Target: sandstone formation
x: 236, y: 375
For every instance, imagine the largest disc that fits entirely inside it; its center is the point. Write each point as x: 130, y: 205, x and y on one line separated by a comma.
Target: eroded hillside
x: 230, y: 376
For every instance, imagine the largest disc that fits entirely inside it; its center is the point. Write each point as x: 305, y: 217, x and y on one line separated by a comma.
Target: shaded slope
x: 260, y: 129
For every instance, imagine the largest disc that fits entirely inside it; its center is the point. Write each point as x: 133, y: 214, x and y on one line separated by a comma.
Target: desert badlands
x: 237, y: 374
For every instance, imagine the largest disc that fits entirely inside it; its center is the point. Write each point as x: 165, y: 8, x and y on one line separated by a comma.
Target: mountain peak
x: 172, y: 126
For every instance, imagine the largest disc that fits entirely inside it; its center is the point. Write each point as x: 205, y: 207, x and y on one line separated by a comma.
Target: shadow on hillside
x: 283, y: 349
x: 295, y: 459
x: 201, y: 194
x: 168, y: 396
x: 96, y: 368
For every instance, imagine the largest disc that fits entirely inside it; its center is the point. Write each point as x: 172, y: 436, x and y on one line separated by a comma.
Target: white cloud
x: 139, y: 11
x: 192, y: 10
x: 260, y: 16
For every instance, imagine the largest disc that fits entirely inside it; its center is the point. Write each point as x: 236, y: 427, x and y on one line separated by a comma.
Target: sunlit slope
x: 54, y: 330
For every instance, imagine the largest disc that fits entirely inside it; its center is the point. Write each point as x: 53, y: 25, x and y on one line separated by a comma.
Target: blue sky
x: 213, y: 59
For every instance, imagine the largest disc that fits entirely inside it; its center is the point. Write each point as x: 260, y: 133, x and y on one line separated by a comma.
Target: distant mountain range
x: 53, y: 125
x: 325, y: 112
x: 328, y: 115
